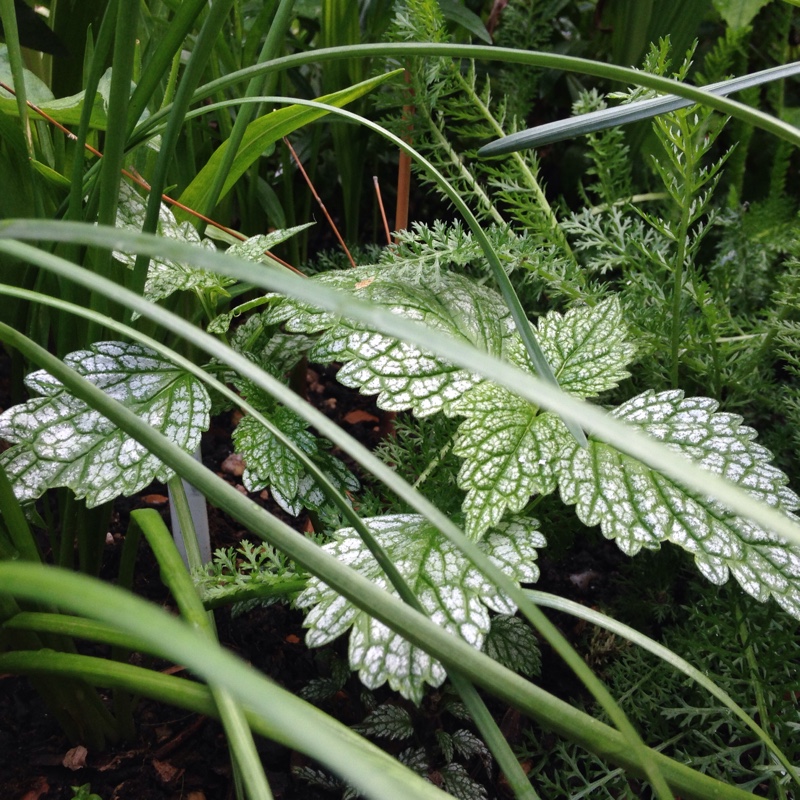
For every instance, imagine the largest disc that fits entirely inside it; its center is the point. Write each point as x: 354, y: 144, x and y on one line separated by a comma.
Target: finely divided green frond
x: 452, y: 591
x: 60, y: 441
x: 641, y: 508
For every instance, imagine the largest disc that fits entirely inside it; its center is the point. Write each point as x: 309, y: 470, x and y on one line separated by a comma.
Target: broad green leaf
x: 402, y: 375
x: 739, y: 13
x: 36, y: 90
x: 387, y: 722
x: 512, y: 642
x: 454, y: 593
x: 454, y: 11
x: 510, y: 450
x: 263, y: 132
x: 641, y: 508
x: 163, y: 276
x: 60, y: 441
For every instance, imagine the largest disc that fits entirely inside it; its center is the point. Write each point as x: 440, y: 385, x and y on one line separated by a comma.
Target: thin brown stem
x: 382, y: 209
x: 137, y: 179
x: 319, y: 202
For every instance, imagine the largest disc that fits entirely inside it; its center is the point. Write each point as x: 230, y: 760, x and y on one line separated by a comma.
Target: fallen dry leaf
x: 166, y: 772
x: 154, y: 499
x: 75, y: 758
x: 352, y: 417
x: 39, y: 788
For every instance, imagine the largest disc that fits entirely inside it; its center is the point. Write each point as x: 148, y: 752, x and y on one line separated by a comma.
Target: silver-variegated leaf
x: 387, y: 722
x: 163, y: 276
x: 641, y: 508
x: 270, y: 464
x: 60, y: 441
x: 402, y: 375
x: 510, y: 450
x: 450, y: 589
x: 512, y: 643
x: 587, y: 347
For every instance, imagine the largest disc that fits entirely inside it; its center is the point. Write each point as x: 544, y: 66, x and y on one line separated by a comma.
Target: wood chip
x: 75, y: 758
x: 166, y: 772
x: 233, y: 465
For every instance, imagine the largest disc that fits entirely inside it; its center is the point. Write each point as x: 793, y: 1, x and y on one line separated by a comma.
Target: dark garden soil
x: 179, y: 755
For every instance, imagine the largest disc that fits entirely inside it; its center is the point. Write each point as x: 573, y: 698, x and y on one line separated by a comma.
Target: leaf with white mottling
x: 467, y: 745
x: 452, y: 592
x: 641, y: 508
x: 513, y: 644
x: 165, y: 277
x: 510, y: 450
x: 269, y: 463
x: 458, y: 783
x: 402, y: 375
x: 254, y: 248
x: 387, y: 722
x: 60, y: 441
x: 587, y: 347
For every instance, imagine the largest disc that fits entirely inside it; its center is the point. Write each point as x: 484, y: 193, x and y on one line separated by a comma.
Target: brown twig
x: 382, y: 209
x: 137, y: 179
x: 319, y: 202
x: 404, y: 166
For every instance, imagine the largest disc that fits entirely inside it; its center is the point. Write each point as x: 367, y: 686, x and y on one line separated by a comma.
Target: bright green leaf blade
x: 263, y: 132
x: 641, y: 508
x: 454, y: 593
x: 403, y: 375
x: 454, y: 11
x: 59, y: 441
x: 510, y: 452
x: 739, y: 13
x: 36, y: 91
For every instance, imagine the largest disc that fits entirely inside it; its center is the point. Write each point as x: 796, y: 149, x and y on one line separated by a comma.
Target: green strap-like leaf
x: 641, y: 508
x: 59, y: 441
x: 453, y: 592
x: 265, y: 131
